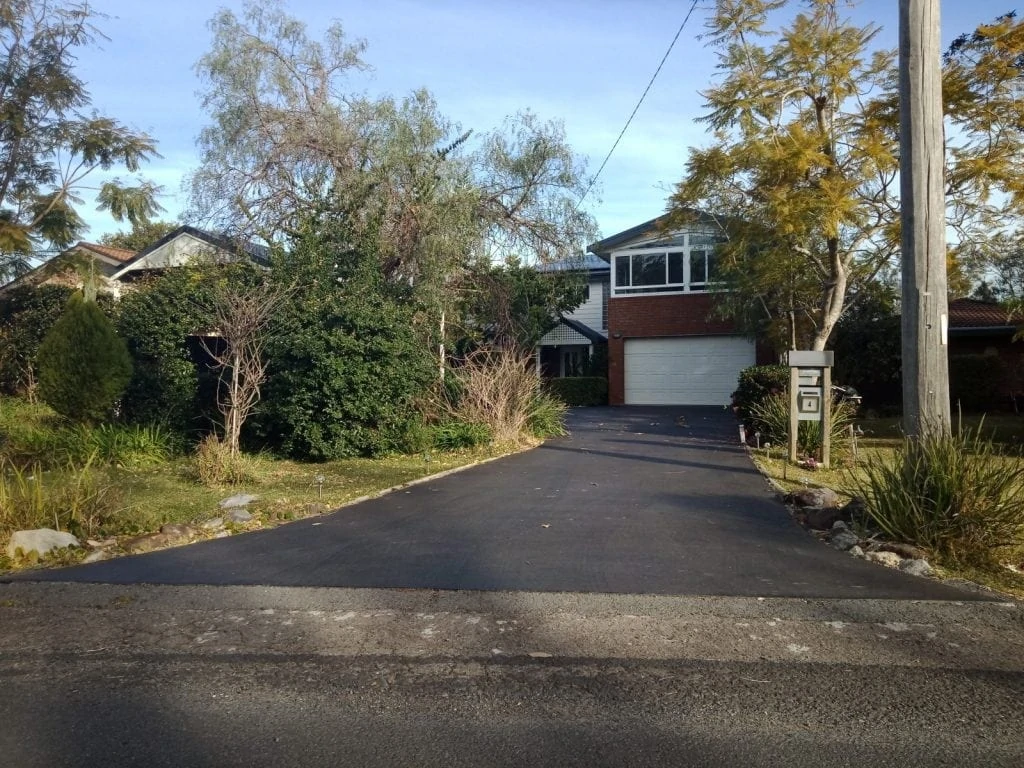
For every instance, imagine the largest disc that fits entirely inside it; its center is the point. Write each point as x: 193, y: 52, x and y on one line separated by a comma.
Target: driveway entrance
x: 636, y: 500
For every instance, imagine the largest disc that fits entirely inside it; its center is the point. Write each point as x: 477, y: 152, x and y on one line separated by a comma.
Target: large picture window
x: 679, y: 268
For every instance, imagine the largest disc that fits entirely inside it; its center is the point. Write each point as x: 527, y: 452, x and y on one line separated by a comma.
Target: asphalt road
x: 635, y: 500
x: 250, y: 676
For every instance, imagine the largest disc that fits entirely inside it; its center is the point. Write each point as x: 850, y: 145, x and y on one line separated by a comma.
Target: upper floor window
x: 687, y: 265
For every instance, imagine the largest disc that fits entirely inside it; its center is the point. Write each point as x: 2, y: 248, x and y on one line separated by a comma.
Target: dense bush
x: 579, y: 390
x: 346, y: 363
x: 26, y: 314
x: 756, y: 384
x: 868, y: 349
x: 976, y: 382
x: 84, y: 365
x: 156, y: 319
x: 954, y: 495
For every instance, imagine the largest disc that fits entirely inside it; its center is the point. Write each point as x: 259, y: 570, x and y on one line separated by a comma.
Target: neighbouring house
x: 666, y: 343
x: 70, y: 267
x: 983, y: 353
x: 118, y: 268
x: 580, y: 334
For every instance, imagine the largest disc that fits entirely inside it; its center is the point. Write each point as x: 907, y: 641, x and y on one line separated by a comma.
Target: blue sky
x: 584, y: 62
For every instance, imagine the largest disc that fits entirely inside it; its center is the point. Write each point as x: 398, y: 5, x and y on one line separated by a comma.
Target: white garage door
x: 696, y: 370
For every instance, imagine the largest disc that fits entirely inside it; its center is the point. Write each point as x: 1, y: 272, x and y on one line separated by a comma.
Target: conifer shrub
x: 84, y: 366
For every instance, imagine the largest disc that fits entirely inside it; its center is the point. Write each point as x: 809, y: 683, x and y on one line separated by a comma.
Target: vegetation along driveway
x: 635, y: 500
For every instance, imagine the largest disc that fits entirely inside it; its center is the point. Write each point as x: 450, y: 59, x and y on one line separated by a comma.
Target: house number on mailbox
x: 810, y: 383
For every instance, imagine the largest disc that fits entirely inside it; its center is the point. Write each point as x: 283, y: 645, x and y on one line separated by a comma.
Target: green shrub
x: 770, y: 417
x: 83, y: 365
x: 456, y: 435
x: 756, y: 384
x: 580, y: 390
x: 954, y: 495
x: 26, y: 314
x: 976, y: 382
x: 546, y: 416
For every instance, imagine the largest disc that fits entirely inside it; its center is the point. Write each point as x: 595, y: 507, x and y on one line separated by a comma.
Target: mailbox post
x: 810, y: 397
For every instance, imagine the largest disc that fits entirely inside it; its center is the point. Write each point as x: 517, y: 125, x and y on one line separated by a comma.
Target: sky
x: 582, y: 62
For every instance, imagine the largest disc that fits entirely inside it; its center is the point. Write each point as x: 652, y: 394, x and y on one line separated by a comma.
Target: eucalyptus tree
x: 48, y: 144
x: 288, y: 135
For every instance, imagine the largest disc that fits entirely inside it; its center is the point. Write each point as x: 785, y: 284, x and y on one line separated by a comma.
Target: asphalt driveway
x: 635, y: 500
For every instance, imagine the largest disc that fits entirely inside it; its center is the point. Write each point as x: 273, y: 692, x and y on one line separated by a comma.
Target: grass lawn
x: 122, y: 501
x: 881, y: 438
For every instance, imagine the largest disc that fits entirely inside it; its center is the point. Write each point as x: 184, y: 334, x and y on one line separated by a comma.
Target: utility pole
x: 922, y: 195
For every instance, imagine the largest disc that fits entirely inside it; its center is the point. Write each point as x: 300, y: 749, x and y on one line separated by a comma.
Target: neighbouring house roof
x: 161, y: 255
x: 57, y: 269
x: 587, y: 261
x: 647, y: 230
x: 975, y: 315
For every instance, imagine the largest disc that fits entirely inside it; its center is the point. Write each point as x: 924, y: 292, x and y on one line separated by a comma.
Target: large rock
x: 889, y: 559
x: 149, y: 541
x: 814, y: 497
x: 903, y: 550
x: 237, y: 515
x: 916, y: 567
x: 844, y: 539
x: 177, y: 531
x: 238, y: 500
x: 824, y: 519
x: 42, y: 541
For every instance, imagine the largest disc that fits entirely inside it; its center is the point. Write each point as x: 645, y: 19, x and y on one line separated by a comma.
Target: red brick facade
x: 644, y: 317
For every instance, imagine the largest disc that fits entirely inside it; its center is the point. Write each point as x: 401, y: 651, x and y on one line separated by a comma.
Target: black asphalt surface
x: 635, y: 500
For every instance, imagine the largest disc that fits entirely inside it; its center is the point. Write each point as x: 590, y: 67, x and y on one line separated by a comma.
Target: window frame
x: 698, y: 241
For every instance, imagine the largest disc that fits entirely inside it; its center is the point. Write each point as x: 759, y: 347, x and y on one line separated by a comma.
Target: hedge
x: 580, y: 390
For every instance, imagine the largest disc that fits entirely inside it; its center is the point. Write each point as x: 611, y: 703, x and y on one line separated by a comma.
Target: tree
x: 803, y: 172
x: 242, y: 314
x: 287, y: 138
x: 515, y: 305
x: 84, y: 366
x: 142, y: 235
x: 48, y: 146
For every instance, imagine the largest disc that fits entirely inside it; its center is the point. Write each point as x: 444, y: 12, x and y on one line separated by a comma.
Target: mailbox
x: 810, y: 385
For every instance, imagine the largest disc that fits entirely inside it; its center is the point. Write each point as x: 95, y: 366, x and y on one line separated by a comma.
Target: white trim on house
x: 680, y: 244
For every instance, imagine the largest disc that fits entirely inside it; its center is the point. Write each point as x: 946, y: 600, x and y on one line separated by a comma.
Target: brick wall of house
x: 642, y: 317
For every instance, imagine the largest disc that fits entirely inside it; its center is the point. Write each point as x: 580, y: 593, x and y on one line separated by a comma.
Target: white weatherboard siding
x: 590, y: 311
x: 694, y: 370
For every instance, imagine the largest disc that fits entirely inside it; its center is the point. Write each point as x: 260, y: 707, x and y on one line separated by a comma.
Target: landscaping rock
x: 177, y: 531
x: 213, y: 524
x: 316, y: 508
x: 854, y: 510
x: 238, y: 500
x: 856, y: 551
x: 814, y: 497
x: 237, y: 515
x: 844, y: 540
x: 40, y: 540
x: 889, y: 559
x: 903, y: 550
x: 824, y: 519
x: 96, y: 555
x: 839, y: 525
x: 147, y: 542
x: 916, y: 567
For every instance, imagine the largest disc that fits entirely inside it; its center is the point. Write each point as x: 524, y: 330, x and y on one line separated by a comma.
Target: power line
x: 637, y: 107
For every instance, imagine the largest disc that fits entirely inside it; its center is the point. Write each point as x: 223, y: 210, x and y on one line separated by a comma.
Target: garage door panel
x: 695, y: 370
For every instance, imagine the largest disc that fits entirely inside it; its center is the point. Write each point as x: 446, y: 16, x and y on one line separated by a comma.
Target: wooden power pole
x: 922, y: 195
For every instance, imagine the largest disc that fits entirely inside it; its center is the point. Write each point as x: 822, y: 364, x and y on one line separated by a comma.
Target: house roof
x: 648, y: 229
x: 122, y: 255
x: 260, y: 254
x: 588, y: 262
x: 972, y: 313
x: 595, y: 336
